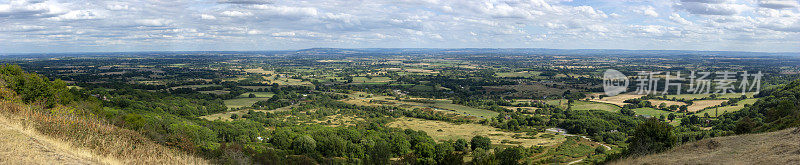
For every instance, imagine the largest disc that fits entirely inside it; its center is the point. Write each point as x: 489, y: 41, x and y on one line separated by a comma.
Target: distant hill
x: 411, y: 51
x: 780, y: 147
x: 528, y: 51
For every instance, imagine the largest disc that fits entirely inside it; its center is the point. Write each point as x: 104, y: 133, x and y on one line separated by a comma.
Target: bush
x: 481, y: 142
x: 652, y: 136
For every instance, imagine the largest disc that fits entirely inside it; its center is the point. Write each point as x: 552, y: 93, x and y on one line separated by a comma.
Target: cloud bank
x: 137, y: 25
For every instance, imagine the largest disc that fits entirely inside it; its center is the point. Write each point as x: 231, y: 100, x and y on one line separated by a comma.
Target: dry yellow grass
x: 618, y: 99
x: 421, y: 71
x: 226, y: 116
x: 259, y: 70
x: 26, y: 146
x: 451, y: 131
x: 700, y: 104
x: 86, y: 140
x: 339, y: 120
x: 780, y: 147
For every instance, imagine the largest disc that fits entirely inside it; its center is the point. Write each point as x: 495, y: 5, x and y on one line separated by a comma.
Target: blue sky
x: 169, y: 25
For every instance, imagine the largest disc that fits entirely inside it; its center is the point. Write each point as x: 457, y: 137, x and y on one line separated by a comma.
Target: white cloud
x: 646, y: 10
x: 246, y: 1
x: 235, y: 13
x: 21, y: 28
x: 207, y: 17
x: 153, y: 22
x: 80, y: 15
x: 118, y: 7
x: 711, y: 7
x: 31, y: 9
x: 287, y: 10
x: 227, y: 24
x: 254, y: 31
x: 675, y: 17
x: 778, y: 4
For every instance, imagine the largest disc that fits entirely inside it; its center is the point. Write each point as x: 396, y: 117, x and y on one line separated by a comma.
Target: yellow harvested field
x: 226, y: 116
x: 259, y: 70
x: 451, y: 131
x: 618, y: 99
x: 421, y: 70
x: 700, y: 104
x: 339, y: 120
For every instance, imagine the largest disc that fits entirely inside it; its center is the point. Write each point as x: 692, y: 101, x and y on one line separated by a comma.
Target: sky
x: 49, y: 26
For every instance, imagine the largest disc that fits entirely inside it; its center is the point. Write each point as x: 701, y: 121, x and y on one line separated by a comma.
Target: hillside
x: 39, y: 124
x: 780, y: 147
x: 29, y: 135
x: 25, y: 146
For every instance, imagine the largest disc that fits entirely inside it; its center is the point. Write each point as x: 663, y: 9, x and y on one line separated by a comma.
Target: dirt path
x: 20, y: 146
x: 577, y: 161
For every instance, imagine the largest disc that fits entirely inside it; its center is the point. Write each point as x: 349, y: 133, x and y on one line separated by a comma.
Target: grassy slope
x: 26, y: 146
x: 781, y: 147
x: 584, y: 105
x: 75, y: 139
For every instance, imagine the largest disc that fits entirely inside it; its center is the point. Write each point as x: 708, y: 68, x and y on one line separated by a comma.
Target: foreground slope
x: 25, y: 146
x: 29, y: 135
x: 780, y: 147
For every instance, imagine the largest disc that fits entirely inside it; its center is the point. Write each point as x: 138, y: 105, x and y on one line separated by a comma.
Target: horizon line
x: 432, y: 48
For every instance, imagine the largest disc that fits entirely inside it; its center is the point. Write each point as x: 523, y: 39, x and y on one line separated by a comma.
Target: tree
x: 627, y: 111
x: 460, y: 145
x: 251, y: 95
x: 510, y: 156
x: 400, y: 145
x: 652, y: 136
x: 234, y: 116
x: 671, y: 117
x: 424, y: 150
x: 483, y: 157
x: 744, y: 125
x: 443, y: 150
x: 512, y: 125
x: 600, y: 150
x: 304, y: 145
x: 380, y: 153
x: 480, y: 142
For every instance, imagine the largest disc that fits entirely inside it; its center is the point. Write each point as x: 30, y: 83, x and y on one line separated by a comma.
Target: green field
x: 242, y: 102
x: 518, y: 74
x: 373, y: 80
x: 584, y: 105
x: 652, y: 112
x: 721, y: 110
x: 192, y: 86
x: 258, y: 94
x: 558, y: 102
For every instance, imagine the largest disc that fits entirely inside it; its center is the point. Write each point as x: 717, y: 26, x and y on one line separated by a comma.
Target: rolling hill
x: 780, y: 147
